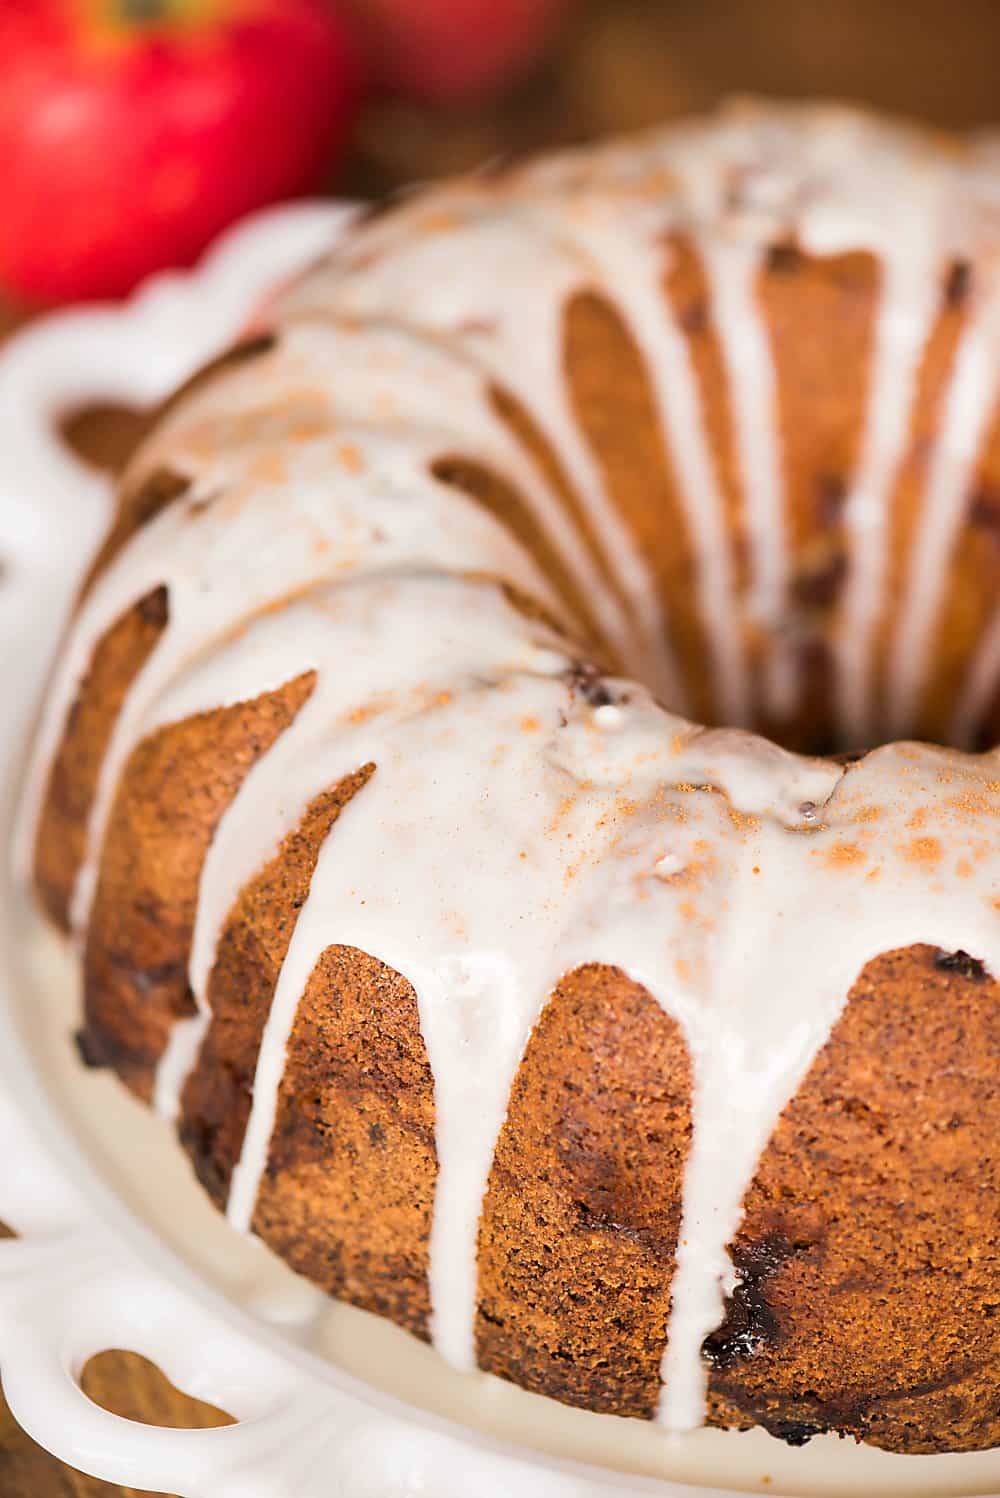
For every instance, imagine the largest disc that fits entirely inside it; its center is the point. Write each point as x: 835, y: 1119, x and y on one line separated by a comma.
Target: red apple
x: 450, y: 51
x: 133, y: 131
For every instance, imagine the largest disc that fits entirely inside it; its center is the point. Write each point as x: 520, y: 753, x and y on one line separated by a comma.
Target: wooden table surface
x: 622, y: 64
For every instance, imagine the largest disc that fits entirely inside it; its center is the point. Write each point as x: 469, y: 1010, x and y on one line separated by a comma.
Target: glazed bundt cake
x: 653, y: 1067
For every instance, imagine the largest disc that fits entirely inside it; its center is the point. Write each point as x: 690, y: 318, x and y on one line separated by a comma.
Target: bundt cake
x: 651, y: 1066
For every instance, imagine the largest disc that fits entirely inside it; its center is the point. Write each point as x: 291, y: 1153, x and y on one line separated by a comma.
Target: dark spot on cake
x: 376, y: 1135
x: 961, y: 963
x: 153, y: 608
x: 831, y: 492
x: 984, y: 512
x: 818, y: 590
x: 793, y: 1432
x: 89, y: 1052
x: 957, y: 283
x: 750, y: 1323
x: 198, y: 1136
x: 587, y: 681
x: 597, y: 1218
x: 694, y: 318
x: 144, y: 980
x: 783, y: 258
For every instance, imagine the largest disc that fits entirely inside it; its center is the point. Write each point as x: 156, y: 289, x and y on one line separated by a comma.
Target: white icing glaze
x: 633, y: 270
x: 175, y: 1064
x: 503, y: 314
x: 529, y: 829
x: 971, y: 400
x: 597, y: 810
x: 302, y: 493
x: 733, y: 270
x: 909, y: 303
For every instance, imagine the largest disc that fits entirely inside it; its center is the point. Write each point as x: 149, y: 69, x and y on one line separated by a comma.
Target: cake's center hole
x: 812, y: 719
x: 846, y: 637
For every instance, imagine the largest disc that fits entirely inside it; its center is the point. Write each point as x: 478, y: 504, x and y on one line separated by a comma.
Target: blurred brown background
x: 621, y: 64
x: 624, y: 64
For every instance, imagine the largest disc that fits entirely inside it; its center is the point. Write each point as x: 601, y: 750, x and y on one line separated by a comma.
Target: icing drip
x: 516, y: 825
x: 633, y: 272
x: 301, y: 486
x: 504, y: 315
x: 732, y: 272
x: 176, y: 1063
x: 971, y: 399
x: 909, y: 304
x: 809, y: 905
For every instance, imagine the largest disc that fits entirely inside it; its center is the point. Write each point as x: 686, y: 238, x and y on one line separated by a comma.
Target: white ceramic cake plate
x: 116, y: 1246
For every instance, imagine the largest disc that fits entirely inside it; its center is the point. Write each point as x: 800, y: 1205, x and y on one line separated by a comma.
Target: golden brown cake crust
x: 580, y: 1218
x: 138, y: 505
x: 871, y: 1238
x: 252, y: 945
x: 173, y: 791
x: 820, y: 315
x: 347, y: 1195
x: 60, y: 840
x: 533, y: 440
x: 495, y: 494
x: 612, y: 397
x: 350, y: 1180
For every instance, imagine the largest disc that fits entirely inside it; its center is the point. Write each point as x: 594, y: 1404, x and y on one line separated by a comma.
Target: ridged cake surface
x: 652, y: 1066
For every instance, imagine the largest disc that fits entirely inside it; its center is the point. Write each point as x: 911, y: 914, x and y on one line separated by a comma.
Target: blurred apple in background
x: 451, y: 51
x: 133, y: 131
